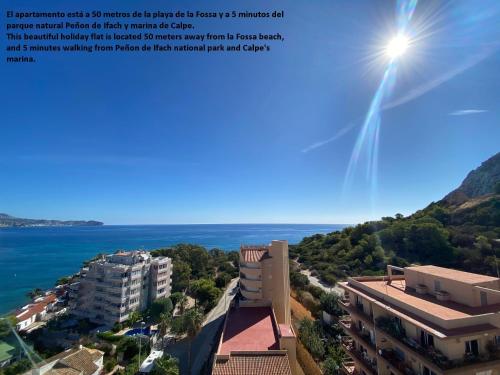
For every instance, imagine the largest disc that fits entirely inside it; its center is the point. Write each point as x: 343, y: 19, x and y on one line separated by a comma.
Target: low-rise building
x: 34, y: 312
x: 426, y: 320
x: 258, y: 337
x: 113, y: 287
x: 77, y: 361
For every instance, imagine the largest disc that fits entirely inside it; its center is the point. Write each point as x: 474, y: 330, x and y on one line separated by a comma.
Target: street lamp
x: 140, y: 343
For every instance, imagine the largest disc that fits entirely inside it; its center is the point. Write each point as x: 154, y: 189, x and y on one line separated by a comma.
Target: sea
x: 36, y: 257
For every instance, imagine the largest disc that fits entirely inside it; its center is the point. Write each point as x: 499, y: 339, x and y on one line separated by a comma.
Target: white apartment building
x: 116, y: 285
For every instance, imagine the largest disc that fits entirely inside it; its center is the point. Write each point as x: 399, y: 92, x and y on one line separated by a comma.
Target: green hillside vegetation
x: 463, y: 236
x: 199, y: 272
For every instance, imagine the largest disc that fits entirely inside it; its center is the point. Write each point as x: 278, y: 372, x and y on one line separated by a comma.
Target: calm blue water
x: 37, y: 257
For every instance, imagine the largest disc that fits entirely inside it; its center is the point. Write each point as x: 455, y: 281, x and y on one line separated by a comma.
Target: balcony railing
x: 362, y: 357
x: 396, y: 362
x: 361, y: 335
x: 356, y: 310
x: 431, y: 354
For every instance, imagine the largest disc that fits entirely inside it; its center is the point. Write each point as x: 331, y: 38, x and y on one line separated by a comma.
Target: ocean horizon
x: 35, y: 257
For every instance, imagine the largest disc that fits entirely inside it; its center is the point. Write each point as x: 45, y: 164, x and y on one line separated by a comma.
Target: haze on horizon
x: 265, y: 138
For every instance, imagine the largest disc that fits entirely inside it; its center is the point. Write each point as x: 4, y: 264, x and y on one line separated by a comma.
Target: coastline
x: 35, y: 257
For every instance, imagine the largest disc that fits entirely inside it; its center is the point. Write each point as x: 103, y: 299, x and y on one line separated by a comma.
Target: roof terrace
x: 249, y: 329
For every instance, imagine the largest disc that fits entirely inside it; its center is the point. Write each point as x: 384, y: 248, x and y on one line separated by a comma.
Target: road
x: 204, y: 343
x: 317, y: 282
x: 223, y: 303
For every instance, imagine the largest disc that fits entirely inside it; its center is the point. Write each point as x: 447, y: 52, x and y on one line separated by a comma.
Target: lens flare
x: 397, y: 46
x: 367, y: 142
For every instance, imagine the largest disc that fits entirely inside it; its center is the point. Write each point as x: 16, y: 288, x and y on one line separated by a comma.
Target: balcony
x: 251, y: 284
x: 349, y: 368
x: 362, y: 358
x: 357, y: 310
x: 361, y: 336
x: 396, y: 334
x: 249, y: 293
x: 250, y: 272
x: 397, y: 364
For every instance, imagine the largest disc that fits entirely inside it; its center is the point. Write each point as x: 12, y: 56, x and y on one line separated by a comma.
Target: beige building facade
x: 422, y: 320
x: 258, y: 337
x: 113, y: 287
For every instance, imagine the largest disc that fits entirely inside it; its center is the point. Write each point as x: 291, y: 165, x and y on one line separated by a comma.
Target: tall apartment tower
x: 264, y: 277
x: 258, y: 337
x: 114, y: 286
x: 422, y: 320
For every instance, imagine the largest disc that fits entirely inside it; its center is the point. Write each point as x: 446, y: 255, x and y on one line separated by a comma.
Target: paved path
x: 223, y: 303
x: 204, y: 343
x: 317, y: 282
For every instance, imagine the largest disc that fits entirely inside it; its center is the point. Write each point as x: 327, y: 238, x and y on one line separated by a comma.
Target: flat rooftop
x: 428, y: 304
x: 445, y: 310
x: 249, y: 329
x: 451, y: 274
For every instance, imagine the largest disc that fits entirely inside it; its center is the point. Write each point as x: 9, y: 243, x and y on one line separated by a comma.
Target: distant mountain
x: 481, y: 181
x: 11, y: 221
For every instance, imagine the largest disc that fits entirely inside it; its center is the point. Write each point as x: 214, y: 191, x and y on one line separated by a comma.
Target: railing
x: 362, y: 357
x: 354, y: 331
x: 396, y: 332
x: 356, y: 310
x: 396, y: 362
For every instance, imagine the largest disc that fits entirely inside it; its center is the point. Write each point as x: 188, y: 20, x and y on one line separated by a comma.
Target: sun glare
x: 397, y: 46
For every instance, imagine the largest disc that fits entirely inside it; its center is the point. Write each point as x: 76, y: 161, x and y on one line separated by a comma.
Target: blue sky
x: 194, y: 138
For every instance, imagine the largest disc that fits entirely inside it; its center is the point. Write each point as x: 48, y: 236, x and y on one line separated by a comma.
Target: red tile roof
x: 252, y: 254
x: 254, y: 364
x: 249, y: 329
x: 36, y: 307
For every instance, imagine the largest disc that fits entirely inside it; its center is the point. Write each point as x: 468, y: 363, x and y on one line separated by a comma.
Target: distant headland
x: 11, y: 221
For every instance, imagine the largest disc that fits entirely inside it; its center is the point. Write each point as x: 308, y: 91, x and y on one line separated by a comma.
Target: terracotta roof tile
x: 253, y: 255
x: 254, y: 364
x: 82, y: 360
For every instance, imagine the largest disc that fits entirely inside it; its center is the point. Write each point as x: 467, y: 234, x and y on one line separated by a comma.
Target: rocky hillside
x: 11, y: 221
x: 461, y: 231
x: 481, y: 181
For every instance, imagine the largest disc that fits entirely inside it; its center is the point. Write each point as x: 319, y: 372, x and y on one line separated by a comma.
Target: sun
x: 397, y: 46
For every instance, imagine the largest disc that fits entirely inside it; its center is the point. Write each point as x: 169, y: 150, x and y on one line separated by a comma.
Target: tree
x: 334, y: 360
x: 180, y: 276
x: 18, y: 367
x: 134, y: 317
x: 166, y: 365
x: 164, y: 324
x: 205, y: 292
x: 298, y: 280
x: 222, y: 280
x: 329, y: 303
x: 129, y: 347
x: 311, y: 338
x: 7, y: 325
x: 497, y: 188
x: 189, y: 324
x: 35, y: 293
x: 161, y: 306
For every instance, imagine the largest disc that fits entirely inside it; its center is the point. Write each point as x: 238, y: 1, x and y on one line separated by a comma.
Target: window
x: 426, y: 339
x: 484, y: 298
x: 437, y: 285
x: 472, y: 347
x: 427, y: 371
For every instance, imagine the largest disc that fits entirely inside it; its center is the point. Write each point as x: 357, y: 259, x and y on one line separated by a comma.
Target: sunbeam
x: 368, y: 138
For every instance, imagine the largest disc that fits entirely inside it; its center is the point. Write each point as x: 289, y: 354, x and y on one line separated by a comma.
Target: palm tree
x: 182, y: 304
x: 191, y: 324
x: 163, y: 326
